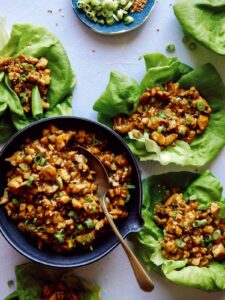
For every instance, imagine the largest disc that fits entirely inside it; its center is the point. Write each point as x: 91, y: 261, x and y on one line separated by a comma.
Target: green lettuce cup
x: 122, y: 96
x: 203, y: 20
x: 147, y: 242
x: 31, y: 278
x: 31, y: 40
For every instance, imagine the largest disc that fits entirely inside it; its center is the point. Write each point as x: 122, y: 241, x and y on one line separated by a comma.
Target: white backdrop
x: 93, y: 56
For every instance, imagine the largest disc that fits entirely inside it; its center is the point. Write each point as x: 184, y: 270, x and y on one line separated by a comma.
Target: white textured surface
x: 93, y: 56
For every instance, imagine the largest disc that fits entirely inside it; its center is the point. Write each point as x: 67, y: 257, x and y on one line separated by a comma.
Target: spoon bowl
x: 102, y: 182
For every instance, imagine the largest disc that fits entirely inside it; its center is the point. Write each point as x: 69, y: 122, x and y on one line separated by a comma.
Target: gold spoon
x: 102, y: 182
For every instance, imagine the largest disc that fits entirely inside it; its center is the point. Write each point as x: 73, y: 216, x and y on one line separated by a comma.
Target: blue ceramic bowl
x: 117, y: 28
x: 103, y: 245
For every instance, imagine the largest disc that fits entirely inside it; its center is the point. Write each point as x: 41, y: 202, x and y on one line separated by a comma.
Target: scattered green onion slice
x: 199, y: 223
x: 216, y: 234
x: 10, y: 283
x: 170, y: 48
x: 208, y: 238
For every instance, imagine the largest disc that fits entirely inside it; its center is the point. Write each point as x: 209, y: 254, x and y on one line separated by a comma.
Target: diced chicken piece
x: 170, y: 247
x: 15, y: 159
x: 171, y: 138
x: 190, y: 136
x: 63, y: 173
x: 145, y: 97
x: 196, y: 261
x: 202, y: 122
x: 62, y: 140
x: 15, y: 183
x: 86, y: 239
x: 175, y: 198
x: 218, y: 252
x: 4, y: 61
x: 214, y: 208
x: 159, y: 138
x: 5, y: 198
x: 124, y: 128
x: 42, y: 63
x: 48, y: 173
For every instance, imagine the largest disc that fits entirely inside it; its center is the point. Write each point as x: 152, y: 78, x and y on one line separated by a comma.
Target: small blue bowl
x: 116, y: 28
x: 104, y: 244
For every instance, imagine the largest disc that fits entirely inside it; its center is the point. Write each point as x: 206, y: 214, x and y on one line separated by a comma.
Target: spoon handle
x: 141, y: 275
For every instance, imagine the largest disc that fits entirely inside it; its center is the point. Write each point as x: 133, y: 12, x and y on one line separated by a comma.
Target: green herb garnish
x: 89, y: 223
x: 80, y: 227
x: 23, y: 166
x: 127, y: 198
x: 15, y: 201
x: 89, y: 198
x: 131, y: 186
x: 23, y: 77
x: 60, y: 236
x: 180, y: 243
x: 185, y: 224
x: 200, y: 105
x: 29, y: 226
x: 72, y: 214
x: 40, y: 160
x: 162, y: 114
x: 161, y: 129
x: 29, y: 181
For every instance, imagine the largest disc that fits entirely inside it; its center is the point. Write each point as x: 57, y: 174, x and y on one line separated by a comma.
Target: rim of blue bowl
x: 105, y: 30
x: 115, y: 242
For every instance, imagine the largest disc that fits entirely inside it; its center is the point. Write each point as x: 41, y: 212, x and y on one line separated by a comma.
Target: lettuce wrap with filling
x: 147, y: 242
x: 203, y: 20
x: 32, y: 40
x: 122, y: 96
x: 31, y: 277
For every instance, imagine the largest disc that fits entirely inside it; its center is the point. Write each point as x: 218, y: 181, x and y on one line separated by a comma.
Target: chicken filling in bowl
x: 51, y: 192
x: 24, y: 74
x: 190, y: 233
x: 167, y: 115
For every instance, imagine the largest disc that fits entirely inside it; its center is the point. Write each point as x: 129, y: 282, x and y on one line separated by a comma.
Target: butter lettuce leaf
x: 160, y: 70
x: 3, y: 33
x: 147, y: 241
x: 120, y: 97
x: 32, y: 40
x: 31, y: 277
x: 204, y: 21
